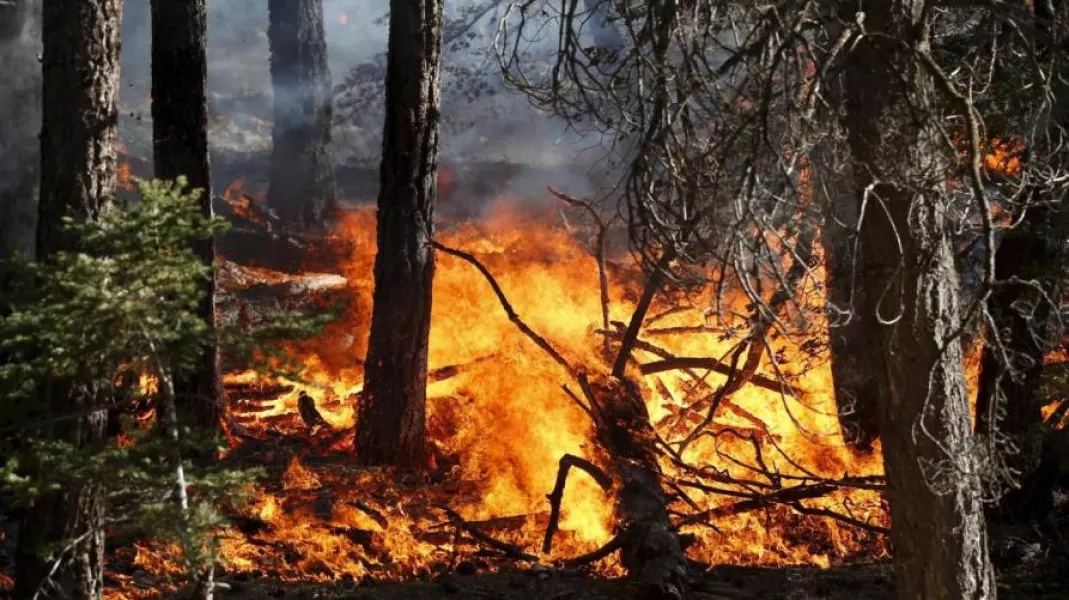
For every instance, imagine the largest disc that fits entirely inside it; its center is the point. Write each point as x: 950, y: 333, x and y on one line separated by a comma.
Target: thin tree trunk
x: 392, y: 413
x: 302, y: 160
x: 180, y: 147
x: 79, y: 116
x: 20, y: 105
x: 930, y: 454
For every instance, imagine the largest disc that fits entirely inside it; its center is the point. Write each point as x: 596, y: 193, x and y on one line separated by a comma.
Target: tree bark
x: 180, y: 147
x: 651, y: 549
x: 80, y: 88
x: 392, y: 415
x: 930, y: 454
x: 856, y: 381
x: 302, y: 160
x: 20, y: 103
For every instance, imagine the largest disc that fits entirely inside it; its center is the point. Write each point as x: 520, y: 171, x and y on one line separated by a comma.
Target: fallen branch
x: 510, y: 550
x: 566, y: 463
x: 368, y: 510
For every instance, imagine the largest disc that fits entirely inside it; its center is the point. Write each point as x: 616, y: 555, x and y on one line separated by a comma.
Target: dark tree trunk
x: 180, y: 147
x: 930, y: 454
x: 302, y: 159
x: 79, y: 116
x: 855, y: 379
x: 392, y: 417
x: 1009, y: 399
x: 20, y: 105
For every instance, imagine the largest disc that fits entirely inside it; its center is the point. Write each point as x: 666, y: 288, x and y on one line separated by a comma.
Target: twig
x: 539, y: 341
x: 566, y: 463
x: 712, y: 364
x: 510, y: 550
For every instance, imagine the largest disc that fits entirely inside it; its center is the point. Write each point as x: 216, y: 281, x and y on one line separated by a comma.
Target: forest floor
x: 1031, y: 567
x: 1032, y: 563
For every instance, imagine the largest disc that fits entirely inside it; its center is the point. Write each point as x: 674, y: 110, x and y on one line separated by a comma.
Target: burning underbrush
x: 760, y: 476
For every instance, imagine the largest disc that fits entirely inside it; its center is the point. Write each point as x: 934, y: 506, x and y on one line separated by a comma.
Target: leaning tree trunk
x: 80, y: 88
x: 301, y: 185
x: 930, y: 454
x: 392, y: 415
x: 20, y: 105
x: 180, y: 147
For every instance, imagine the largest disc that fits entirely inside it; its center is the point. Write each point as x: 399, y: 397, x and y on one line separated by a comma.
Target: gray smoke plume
x: 20, y: 124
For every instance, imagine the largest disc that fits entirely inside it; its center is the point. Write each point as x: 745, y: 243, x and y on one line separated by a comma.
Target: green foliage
x: 81, y: 331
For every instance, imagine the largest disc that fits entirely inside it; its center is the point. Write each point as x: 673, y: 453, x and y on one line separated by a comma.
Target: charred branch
x: 509, y: 550
x: 557, y: 495
x: 539, y: 341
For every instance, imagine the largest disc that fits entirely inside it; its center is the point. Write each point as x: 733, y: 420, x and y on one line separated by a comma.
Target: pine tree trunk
x: 302, y: 160
x: 392, y: 416
x: 80, y: 88
x: 20, y: 105
x: 856, y: 381
x: 180, y: 147
x: 930, y: 454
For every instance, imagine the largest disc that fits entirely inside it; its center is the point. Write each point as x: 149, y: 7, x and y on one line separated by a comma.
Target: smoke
x: 20, y: 124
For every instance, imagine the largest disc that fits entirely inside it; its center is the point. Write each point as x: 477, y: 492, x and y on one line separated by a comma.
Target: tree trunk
x: 392, y: 414
x: 180, y: 147
x: 1009, y: 399
x: 80, y: 88
x: 651, y: 549
x: 930, y: 454
x: 302, y: 160
x: 20, y: 103
x: 856, y: 381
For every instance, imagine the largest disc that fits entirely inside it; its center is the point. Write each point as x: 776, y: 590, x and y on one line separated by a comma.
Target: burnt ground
x: 1039, y: 571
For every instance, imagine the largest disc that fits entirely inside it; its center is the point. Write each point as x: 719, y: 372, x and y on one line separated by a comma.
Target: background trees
x: 392, y: 413
x: 20, y: 103
x: 302, y: 159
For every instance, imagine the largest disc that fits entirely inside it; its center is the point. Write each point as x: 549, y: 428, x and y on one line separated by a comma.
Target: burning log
x: 651, y: 548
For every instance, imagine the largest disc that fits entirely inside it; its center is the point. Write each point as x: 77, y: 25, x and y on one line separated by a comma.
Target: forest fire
x: 500, y: 424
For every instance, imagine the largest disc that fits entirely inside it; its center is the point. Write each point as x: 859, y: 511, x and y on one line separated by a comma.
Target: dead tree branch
x: 557, y: 495
x: 539, y: 341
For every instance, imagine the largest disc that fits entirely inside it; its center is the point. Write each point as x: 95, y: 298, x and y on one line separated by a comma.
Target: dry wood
x: 509, y: 550
x: 566, y: 463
